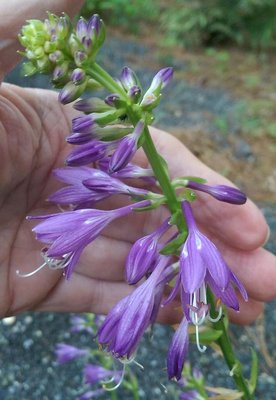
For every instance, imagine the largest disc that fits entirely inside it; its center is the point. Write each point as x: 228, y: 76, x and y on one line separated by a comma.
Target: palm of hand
x: 31, y: 132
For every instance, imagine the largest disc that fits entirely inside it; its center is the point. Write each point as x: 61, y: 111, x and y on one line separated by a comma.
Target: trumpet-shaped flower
x: 143, y: 253
x: 178, y: 350
x: 128, y: 320
x: 198, y: 256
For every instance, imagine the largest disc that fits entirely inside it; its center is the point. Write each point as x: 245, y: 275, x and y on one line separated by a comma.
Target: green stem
x: 113, y: 395
x: 101, y: 76
x: 233, y: 363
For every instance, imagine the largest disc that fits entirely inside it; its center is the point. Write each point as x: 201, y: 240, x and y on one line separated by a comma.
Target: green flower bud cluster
x: 56, y: 48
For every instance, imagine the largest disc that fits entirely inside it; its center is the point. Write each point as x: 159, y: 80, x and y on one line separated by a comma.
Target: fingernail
x: 267, y: 236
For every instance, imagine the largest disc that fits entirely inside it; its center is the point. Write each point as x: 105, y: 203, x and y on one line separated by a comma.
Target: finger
x: 243, y: 226
x: 14, y: 13
x: 104, y: 259
x: 248, y: 313
x: 82, y: 294
x: 255, y: 269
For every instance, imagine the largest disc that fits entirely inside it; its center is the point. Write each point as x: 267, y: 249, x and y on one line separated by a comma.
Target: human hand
x: 32, y: 144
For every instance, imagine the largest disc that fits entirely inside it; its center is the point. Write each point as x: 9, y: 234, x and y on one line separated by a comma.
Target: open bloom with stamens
x: 128, y: 320
x: 198, y: 256
x: 68, y: 233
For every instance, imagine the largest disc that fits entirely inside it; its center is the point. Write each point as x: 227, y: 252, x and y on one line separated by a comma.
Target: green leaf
x: 207, y: 336
x: 174, y: 245
x: 164, y: 164
x: 254, y: 372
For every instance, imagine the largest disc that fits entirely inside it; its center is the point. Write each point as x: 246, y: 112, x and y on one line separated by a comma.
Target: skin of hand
x: 33, y: 126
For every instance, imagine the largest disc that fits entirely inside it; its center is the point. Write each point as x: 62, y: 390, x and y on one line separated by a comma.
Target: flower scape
x: 105, y: 137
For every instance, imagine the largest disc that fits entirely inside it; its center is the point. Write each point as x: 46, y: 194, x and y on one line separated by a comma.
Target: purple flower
x: 128, y: 78
x: 190, y: 395
x: 126, y: 149
x: 128, y: 320
x: 66, y: 353
x: 80, y: 324
x: 92, y: 394
x: 198, y: 256
x: 68, y: 233
x: 224, y: 193
x: 96, y: 374
x: 130, y: 171
x: 143, y: 253
x: 103, y: 183
x: 76, y: 194
x: 89, y: 152
x: 178, y: 350
x: 152, y: 96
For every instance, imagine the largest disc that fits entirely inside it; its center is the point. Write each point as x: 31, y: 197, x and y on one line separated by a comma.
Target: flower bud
x: 91, y: 105
x: 71, y: 92
x: 128, y: 78
x: 78, y: 76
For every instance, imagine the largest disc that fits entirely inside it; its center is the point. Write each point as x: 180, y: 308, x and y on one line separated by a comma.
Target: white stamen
x: 31, y: 273
x: 200, y: 348
x: 119, y: 383
x: 218, y: 317
x: 52, y: 263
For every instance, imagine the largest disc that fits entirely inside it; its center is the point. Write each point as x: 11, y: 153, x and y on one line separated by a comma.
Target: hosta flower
x: 178, y: 350
x: 198, y: 256
x: 68, y: 233
x: 128, y: 320
x: 143, y: 253
x: 104, y: 183
x: 76, y: 194
x: 66, y: 353
x: 130, y: 171
x: 224, y: 193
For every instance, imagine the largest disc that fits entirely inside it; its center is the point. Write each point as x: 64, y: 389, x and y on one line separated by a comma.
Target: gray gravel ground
x: 28, y: 370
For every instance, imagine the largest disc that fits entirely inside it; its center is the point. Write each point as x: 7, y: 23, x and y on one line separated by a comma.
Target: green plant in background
x: 138, y: 12
x: 195, y: 23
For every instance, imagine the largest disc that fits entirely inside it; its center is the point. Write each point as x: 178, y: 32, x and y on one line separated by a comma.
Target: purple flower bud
x: 56, y: 56
x: 128, y: 320
x: 224, y: 193
x: 92, y: 394
x: 65, y: 353
x: 70, y: 92
x: 94, y: 25
x: 91, y: 105
x: 79, y: 57
x: 60, y: 73
x: 78, y: 76
x: 128, y: 78
x: 162, y: 79
x: 88, y: 152
x: 81, y: 29
x: 112, y: 99
x: 126, y: 149
x: 178, y: 351
x: 134, y: 93
x: 142, y: 254
x: 83, y: 123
